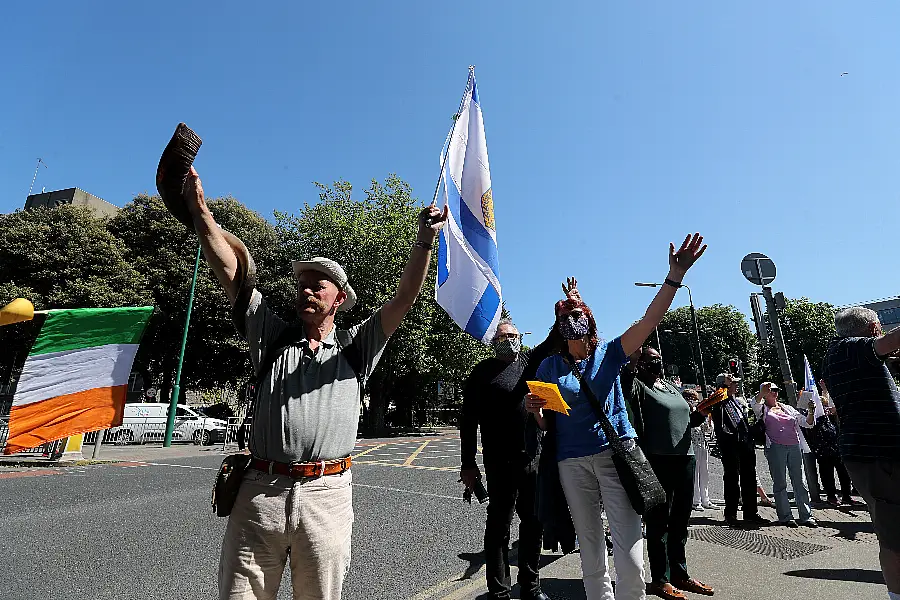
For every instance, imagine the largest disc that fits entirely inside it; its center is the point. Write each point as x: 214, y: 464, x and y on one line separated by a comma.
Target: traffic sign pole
x: 760, y: 270
x: 789, y: 387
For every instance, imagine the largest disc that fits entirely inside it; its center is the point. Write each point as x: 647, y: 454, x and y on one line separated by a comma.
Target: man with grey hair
x: 295, y: 499
x: 494, y: 395
x: 868, y: 407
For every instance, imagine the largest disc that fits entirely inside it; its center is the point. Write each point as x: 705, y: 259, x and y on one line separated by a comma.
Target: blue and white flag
x: 809, y: 385
x: 468, y: 283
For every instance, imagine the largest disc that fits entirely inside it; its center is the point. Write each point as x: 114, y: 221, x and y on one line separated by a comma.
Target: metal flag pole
x: 36, y: 168
x: 176, y: 389
x: 448, y: 139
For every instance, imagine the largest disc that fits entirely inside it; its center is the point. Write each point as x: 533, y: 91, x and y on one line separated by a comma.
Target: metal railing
x: 142, y: 430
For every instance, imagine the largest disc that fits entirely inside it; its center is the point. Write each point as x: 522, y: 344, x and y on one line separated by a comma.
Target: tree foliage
x: 372, y: 238
x: 65, y: 257
x: 724, y: 334
x: 807, y: 327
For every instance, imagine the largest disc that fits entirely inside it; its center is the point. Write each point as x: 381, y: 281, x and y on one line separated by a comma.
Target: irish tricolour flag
x: 75, y: 376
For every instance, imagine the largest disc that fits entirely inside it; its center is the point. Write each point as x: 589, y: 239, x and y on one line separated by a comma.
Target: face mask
x: 653, y: 367
x: 571, y: 328
x: 507, y: 348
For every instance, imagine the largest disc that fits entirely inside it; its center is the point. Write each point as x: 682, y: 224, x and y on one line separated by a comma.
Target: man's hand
x: 193, y: 194
x: 469, y: 477
x: 431, y: 219
x: 684, y: 258
x: 570, y: 289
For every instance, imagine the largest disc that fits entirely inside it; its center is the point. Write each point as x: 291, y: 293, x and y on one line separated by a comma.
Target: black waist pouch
x: 228, y: 483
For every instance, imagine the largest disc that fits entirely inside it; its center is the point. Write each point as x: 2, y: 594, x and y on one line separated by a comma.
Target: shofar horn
x: 171, y: 176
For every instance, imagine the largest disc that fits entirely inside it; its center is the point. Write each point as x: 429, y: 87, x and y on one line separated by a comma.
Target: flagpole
x: 462, y: 101
x: 176, y: 389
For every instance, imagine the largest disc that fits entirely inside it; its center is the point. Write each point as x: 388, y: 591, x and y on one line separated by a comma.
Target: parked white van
x: 146, y: 421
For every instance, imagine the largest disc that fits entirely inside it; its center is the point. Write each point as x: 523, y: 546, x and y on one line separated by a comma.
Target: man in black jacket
x: 494, y: 399
x: 738, y: 451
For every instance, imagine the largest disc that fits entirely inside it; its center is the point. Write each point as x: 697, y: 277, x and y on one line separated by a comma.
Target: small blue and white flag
x: 468, y: 283
x: 809, y: 385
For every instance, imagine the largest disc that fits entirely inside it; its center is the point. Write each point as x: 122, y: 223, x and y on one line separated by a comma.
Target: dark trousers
x: 827, y: 467
x: 739, y: 464
x: 511, y: 489
x: 667, y: 524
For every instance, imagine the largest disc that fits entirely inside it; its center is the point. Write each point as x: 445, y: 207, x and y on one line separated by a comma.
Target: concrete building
x: 72, y: 196
x: 888, y: 311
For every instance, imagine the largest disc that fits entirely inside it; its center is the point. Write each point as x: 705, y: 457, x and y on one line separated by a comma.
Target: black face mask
x: 652, y: 367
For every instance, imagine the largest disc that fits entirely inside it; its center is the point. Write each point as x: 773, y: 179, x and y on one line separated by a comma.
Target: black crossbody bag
x: 634, y: 470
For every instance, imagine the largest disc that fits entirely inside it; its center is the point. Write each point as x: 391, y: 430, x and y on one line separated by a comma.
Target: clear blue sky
x: 612, y: 128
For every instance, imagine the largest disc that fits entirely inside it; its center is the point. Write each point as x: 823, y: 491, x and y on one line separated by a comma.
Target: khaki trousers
x: 276, y: 517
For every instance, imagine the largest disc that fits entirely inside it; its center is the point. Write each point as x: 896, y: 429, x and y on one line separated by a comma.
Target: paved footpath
x: 414, y: 539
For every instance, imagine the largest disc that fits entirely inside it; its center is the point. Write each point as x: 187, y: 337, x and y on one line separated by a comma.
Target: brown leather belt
x: 302, y: 470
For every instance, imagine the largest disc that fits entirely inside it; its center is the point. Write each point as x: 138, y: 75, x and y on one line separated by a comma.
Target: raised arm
x: 430, y: 222
x: 888, y: 343
x: 679, y: 262
x: 218, y: 252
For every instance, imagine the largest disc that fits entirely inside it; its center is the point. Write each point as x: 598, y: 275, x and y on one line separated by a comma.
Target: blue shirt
x: 579, y: 434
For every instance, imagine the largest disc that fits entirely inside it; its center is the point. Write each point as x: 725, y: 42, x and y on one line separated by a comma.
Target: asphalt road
x: 144, y: 529
x: 147, y: 531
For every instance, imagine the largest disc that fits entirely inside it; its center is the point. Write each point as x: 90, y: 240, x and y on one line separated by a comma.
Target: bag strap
x: 289, y: 336
x: 612, y: 436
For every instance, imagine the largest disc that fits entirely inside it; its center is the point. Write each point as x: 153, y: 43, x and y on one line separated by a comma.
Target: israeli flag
x: 468, y: 283
x: 809, y: 385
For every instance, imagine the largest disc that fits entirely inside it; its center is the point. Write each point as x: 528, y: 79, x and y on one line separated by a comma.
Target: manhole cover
x: 758, y: 543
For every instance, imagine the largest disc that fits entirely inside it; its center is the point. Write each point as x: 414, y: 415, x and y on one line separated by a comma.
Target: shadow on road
x: 859, y: 575
x: 563, y: 589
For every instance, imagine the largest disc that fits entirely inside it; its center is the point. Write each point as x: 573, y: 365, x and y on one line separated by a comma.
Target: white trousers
x: 584, y: 481
x: 701, y: 475
x: 276, y: 516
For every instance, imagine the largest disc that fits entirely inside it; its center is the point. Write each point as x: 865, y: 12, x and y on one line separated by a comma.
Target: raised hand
x: 193, y: 192
x: 570, y: 289
x: 431, y: 219
x: 684, y: 258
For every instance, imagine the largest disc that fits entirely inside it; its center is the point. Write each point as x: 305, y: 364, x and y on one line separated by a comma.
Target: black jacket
x: 550, y: 505
x: 494, y: 399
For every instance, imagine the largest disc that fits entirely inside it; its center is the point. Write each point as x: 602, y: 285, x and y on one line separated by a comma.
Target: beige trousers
x: 276, y: 517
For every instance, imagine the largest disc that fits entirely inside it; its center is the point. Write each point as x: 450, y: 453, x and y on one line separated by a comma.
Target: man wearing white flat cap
x: 295, y: 500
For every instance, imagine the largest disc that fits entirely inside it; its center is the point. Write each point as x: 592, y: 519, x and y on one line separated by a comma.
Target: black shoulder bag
x: 634, y: 470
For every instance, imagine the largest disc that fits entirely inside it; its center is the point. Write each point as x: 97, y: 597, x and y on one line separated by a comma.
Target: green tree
x: 65, y: 258
x: 807, y: 328
x: 60, y: 258
x: 163, y: 250
x: 724, y: 334
x: 372, y: 238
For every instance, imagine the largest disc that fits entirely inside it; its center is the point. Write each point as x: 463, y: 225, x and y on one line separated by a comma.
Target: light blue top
x: 579, y: 434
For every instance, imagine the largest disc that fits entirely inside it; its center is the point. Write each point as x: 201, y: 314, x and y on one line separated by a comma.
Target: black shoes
x: 733, y: 522
x: 755, y: 521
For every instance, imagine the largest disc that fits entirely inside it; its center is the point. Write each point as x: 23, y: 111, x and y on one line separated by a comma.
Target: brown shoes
x: 665, y: 590
x: 692, y: 585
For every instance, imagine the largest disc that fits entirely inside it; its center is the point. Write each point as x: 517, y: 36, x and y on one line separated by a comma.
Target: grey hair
x: 854, y: 321
x: 505, y: 322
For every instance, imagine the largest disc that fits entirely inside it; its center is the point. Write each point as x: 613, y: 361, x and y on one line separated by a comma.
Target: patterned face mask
x: 572, y: 328
x: 507, y: 348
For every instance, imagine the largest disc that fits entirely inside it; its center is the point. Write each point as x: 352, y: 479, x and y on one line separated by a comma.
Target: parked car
x: 146, y: 421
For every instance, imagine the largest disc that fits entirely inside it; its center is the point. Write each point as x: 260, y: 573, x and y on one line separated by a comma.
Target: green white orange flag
x: 75, y: 377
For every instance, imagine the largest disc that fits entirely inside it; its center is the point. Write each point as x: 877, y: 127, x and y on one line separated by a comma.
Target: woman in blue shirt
x: 586, y: 469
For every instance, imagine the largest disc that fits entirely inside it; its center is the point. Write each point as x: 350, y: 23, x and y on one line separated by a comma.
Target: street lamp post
x: 691, y: 346
x: 696, y: 331
x: 176, y: 389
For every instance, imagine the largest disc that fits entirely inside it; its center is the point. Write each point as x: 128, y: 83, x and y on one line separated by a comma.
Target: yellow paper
x: 550, y: 393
